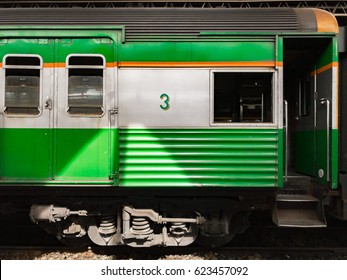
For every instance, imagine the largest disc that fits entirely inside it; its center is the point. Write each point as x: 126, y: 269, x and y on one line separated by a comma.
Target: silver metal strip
x: 324, y: 101
x: 286, y: 139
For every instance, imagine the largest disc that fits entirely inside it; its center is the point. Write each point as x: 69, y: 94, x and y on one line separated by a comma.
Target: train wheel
x: 237, y: 225
x: 214, y: 241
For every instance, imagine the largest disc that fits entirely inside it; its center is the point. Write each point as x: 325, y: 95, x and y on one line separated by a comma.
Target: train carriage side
x: 171, y: 134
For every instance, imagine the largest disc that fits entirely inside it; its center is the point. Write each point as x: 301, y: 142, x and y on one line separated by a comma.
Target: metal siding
x: 199, y: 157
x: 140, y: 91
x: 173, y: 21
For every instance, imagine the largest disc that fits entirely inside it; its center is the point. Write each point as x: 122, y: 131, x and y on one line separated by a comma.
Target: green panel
x: 25, y: 154
x: 199, y: 51
x: 279, y: 49
x: 44, y: 48
x: 201, y: 157
x: 306, y: 156
x: 281, y: 158
x: 321, y: 155
x: 329, y: 55
x: 83, y: 154
x: 334, y: 158
x: 304, y: 152
x: 85, y: 46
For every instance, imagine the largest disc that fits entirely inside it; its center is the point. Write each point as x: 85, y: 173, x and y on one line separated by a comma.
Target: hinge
x: 113, y: 176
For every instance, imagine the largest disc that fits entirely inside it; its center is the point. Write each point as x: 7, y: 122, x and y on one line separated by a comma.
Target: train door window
x: 85, y: 85
x: 242, y: 97
x: 22, y: 84
x: 304, y: 99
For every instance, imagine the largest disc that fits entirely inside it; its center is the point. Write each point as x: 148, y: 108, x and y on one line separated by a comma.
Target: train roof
x: 178, y: 21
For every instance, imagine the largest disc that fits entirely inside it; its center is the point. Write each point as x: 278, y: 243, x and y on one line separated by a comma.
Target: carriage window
x: 242, y: 97
x: 22, y: 85
x: 86, y: 85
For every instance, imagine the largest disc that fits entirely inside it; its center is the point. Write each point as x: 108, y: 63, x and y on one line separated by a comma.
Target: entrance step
x: 298, y: 210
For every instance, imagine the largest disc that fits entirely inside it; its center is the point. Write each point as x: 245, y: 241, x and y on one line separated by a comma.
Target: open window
x: 242, y: 97
x: 85, y: 85
x: 22, y: 85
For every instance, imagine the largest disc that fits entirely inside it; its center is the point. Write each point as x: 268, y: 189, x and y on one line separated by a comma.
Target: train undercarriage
x: 144, y: 221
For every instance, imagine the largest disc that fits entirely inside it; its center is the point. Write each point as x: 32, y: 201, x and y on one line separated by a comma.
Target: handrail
x: 286, y: 138
x: 327, y: 102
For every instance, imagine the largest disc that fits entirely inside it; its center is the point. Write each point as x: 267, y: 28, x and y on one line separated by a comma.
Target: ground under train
x: 161, y: 127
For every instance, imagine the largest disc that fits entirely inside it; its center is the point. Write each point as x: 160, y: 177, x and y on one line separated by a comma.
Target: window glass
x: 22, y: 85
x: 86, y: 83
x: 305, y: 98
x: 242, y: 97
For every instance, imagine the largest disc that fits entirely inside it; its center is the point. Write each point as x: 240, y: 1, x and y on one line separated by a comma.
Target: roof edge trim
x: 326, y: 22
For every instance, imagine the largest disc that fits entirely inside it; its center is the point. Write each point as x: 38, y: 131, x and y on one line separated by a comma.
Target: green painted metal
x: 83, y: 155
x: 199, y: 51
x: 281, y: 158
x: 304, y: 152
x: 25, y: 154
x: 321, y: 157
x: 29, y: 46
x: 310, y: 154
x: 328, y: 56
x: 46, y: 48
x: 85, y: 46
x: 279, y: 49
x: 82, y: 39
x: 199, y: 157
x: 160, y: 51
x: 334, y: 158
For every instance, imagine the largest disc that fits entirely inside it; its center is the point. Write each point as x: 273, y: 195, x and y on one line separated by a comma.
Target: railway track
x: 56, y: 252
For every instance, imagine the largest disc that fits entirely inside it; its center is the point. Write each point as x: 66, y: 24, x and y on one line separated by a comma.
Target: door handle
x: 48, y: 104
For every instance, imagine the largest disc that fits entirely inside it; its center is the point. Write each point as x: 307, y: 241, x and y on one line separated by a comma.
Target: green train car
x: 161, y: 127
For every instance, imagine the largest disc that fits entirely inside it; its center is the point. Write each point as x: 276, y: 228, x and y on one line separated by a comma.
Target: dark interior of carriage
x: 242, y: 97
x: 300, y: 58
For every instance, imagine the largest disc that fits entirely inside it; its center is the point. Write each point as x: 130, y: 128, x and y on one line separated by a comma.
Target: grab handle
x: 286, y: 123
x: 324, y: 101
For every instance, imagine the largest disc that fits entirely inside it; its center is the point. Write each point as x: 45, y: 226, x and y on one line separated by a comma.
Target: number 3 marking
x: 166, y: 102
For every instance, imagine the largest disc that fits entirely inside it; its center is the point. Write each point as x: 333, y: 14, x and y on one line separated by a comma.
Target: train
x: 168, y: 126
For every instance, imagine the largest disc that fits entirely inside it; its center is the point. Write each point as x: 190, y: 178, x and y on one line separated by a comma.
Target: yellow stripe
x: 176, y: 64
x: 324, y: 68
x: 111, y: 64
x: 196, y: 64
x: 54, y: 65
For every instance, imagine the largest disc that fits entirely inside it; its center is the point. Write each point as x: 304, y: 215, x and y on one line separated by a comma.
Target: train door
x: 25, y: 116
x: 325, y: 88
x: 85, y: 119
x: 311, y: 86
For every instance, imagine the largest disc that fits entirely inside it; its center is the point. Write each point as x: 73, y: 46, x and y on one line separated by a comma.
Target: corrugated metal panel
x: 166, y: 21
x: 199, y: 157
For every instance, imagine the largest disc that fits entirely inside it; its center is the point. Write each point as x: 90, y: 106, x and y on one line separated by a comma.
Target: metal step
x: 298, y: 210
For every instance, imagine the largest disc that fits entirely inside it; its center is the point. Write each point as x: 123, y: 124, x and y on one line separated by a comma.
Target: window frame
x: 28, y: 67
x: 275, y: 98
x: 67, y: 70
